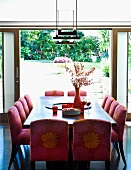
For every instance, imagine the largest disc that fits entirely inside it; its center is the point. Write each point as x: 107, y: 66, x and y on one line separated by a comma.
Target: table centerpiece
x: 79, y: 77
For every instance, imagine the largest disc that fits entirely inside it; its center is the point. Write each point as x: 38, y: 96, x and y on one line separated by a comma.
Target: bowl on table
x: 71, y: 111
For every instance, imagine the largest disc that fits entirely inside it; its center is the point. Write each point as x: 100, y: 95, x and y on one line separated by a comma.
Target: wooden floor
x: 22, y: 161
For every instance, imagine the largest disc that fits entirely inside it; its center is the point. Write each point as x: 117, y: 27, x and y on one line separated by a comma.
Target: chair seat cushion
x: 24, y: 137
x: 114, y: 136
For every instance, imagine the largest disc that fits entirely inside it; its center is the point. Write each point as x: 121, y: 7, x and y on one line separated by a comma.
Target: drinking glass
x: 55, y: 109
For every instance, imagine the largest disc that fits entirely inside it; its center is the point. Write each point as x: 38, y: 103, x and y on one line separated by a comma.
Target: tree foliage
x: 104, y: 44
x: 129, y: 51
x: 39, y: 45
x: 0, y: 44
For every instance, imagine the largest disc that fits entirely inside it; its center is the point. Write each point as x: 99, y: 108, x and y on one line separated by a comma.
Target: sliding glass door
x: 1, y: 75
x: 123, y: 65
x: 129, y: 72
x: 9, y: 70
x: 42, y: 61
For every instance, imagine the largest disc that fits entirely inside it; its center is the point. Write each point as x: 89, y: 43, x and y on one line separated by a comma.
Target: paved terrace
x: 41, y: 77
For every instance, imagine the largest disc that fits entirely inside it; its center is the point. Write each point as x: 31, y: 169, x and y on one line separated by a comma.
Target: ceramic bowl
x: 71, y: 111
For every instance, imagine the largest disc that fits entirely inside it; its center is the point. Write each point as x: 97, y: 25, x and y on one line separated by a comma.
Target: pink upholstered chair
x: 117, y: 132
x: 104, y: 100
x: 54, y: 93
x: 19, y: 136
x: 49, y: 141
x: 112, y: 107
x: 91, y: 141
x: 72, y: 93
x: 21, y: 111
x: 29, y: 101
x: 24, y: 103
x: 108, y: 104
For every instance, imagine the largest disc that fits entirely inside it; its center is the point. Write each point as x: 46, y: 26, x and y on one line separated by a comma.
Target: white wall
x: 45, y: 10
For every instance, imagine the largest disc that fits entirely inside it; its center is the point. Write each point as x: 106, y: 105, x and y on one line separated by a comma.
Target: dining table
x: 43, y: 110
x: 44, y: 104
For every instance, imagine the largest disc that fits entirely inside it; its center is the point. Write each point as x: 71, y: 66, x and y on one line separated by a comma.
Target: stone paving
x: 36, y: 81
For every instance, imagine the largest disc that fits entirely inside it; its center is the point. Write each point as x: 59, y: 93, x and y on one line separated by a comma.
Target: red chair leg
x: 122, y: 152
x: 116, y: 147
x: 32, y: 165
x: 107, y: 165
x: 75, y: 165
x: 14, y: 151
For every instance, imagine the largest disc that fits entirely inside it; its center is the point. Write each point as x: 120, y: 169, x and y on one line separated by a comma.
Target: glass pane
x: 129, y: 73
x: 1, y: 80
x: 45, y: 60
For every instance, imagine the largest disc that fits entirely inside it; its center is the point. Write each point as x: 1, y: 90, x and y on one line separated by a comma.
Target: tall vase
x: 77, y: 98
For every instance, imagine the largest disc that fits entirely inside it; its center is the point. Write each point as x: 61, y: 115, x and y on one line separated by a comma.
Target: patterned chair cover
x: 49, y: 141
x: 91, y: 141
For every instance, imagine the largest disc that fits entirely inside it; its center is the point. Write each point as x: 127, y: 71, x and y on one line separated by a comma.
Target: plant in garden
x: 104, y: 43
x: 63, y: 59
x: 105, y: 68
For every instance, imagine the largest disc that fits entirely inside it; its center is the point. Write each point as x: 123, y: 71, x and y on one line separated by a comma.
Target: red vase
x: 77, y: 99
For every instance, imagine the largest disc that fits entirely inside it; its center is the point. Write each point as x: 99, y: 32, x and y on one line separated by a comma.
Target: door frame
x: 16, y: 63
x: 114, y: 48
x: 17, y: 56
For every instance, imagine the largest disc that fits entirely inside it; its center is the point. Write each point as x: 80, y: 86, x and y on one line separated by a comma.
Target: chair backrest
x: 24, y: 103
x: 21, y: 111
x: 49, y: 140
x: 15, y: 123
x: 108, y: 104
x: 91, y: 140
x: 112, y: 107
x: 54, y: 93
x: 72, y: 93
x: 104, y: 100
x: 119, y: 116
x: 29, y: 101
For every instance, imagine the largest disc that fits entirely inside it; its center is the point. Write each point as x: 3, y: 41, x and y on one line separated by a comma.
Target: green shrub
x: 105, y: 68
x: 106, y: 71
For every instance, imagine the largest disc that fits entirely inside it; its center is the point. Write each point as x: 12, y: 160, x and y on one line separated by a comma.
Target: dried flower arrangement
x: 79, y: 76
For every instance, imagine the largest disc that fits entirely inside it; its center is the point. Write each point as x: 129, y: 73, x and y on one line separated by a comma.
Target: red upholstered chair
x: 108, y: 104
x: 91, y: 141
x: 112, y: 107
x: 19, y: 136
x: 21, y: 111
x: 29, y: 101
x: 72, y: 93
x: 49, y: 141
x: 24, y: 103
x: 54, y: 93
x: 117, y: 132
x: 104, y: 100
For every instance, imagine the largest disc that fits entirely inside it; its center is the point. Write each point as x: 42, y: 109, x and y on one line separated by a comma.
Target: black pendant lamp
x: 65, y: 36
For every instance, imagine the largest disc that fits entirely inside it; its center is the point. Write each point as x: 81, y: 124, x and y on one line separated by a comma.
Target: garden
x: 39, y: 48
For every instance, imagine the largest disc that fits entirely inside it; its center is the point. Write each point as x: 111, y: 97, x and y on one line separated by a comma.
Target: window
x: 42, y: 61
